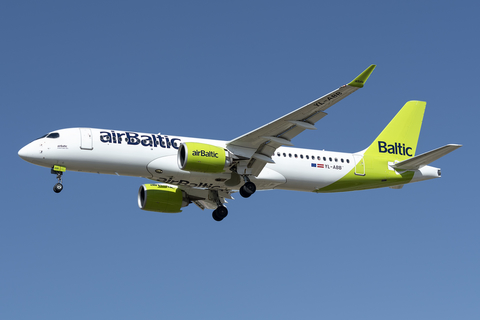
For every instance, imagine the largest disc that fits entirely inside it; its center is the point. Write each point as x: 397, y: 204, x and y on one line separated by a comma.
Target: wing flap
x: 424, y: 159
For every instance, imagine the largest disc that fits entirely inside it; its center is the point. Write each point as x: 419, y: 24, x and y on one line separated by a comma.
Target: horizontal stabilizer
x: 424, y: 159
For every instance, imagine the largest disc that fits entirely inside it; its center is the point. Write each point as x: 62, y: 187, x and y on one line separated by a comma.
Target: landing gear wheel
x: 58, y: 187
x: 248, y: 189
x: 243, y: 194
x: 220, y: 213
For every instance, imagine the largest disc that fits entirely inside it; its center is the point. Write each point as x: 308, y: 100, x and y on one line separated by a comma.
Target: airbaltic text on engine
x: 397, y: 148
x: 133, y: 138
x: 202, y: 153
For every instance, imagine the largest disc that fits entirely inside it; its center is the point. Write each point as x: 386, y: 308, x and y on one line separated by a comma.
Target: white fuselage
x: 154, y: 156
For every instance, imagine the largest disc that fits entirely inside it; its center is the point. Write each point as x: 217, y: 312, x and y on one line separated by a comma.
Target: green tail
x: 398, y: 141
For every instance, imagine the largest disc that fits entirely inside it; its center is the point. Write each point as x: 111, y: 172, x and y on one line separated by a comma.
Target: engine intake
x: 201, y: 157
x: 162, y: 198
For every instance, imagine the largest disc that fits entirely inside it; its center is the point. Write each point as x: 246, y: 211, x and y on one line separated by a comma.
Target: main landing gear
x: 58, y: 187
x: 248, y: 188
x: 221, y: 212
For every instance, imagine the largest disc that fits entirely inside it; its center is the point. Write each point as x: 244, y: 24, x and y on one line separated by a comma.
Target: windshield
x: 52, y: 135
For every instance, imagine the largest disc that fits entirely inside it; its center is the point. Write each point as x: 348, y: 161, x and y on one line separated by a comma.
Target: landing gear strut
x: 58, y: 187
x: 248, y: 188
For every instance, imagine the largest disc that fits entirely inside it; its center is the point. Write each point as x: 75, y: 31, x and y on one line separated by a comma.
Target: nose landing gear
x: 58, y: 170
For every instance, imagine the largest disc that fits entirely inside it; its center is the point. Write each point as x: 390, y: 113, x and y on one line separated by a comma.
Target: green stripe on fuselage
x: 377, y: 175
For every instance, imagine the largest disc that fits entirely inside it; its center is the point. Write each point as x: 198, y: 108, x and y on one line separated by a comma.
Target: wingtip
x: 359, y: 81
x: 455, y: 145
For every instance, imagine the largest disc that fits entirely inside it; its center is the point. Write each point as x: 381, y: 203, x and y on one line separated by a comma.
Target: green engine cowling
x: 162, y: 198
x: 201, y: 157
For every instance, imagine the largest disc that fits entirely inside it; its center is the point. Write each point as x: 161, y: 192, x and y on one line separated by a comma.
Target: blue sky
x: 218, y: 70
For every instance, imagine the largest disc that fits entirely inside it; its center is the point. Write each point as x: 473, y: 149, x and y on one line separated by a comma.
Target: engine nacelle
x: 162, y: 198
x: 201, y: 157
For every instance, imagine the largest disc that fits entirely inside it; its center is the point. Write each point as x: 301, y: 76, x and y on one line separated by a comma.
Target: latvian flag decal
x: 317, y: 165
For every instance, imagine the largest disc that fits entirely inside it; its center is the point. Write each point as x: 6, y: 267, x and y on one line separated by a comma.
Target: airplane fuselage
x: 154, y: 156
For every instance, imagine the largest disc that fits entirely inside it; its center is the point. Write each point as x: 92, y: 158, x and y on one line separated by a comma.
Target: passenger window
x: 330, y: 158
x: 348, y: 161
x: 341, y: 160
x: 290, y: 155
x: 307, y: 157
x: 319, y: 158
x: 324, y: 159
x: 336, y: 160
x: 296, y: 155
x: 301, y: 156
x: 284, y: 154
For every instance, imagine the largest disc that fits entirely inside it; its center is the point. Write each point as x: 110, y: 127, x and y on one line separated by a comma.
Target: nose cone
x: 28, y: 153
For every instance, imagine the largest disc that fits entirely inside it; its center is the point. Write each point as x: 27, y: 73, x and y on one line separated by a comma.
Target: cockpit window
x: 53, y: 135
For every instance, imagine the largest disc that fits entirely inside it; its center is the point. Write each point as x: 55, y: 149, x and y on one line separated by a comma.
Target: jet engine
x: 162, y: 198
x: 201, y: 157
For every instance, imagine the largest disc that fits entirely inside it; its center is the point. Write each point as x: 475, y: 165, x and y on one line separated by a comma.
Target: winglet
x: 362, y: 78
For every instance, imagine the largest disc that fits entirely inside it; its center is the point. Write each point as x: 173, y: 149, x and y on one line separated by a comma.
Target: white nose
x: 28, y: 153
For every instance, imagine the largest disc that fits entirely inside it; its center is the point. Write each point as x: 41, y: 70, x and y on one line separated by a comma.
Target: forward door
x: 86, y: 139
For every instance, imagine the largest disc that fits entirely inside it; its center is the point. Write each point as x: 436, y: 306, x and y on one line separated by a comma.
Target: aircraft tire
x: 220, y: 213
x: 248, y: 189
x: 57, y: 188
x: 243, y: 194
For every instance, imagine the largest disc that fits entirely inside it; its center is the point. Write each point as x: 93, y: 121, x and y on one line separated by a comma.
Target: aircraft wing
x: 260, y: 144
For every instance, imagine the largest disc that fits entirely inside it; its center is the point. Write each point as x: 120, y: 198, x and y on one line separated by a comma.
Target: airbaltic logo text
x: 133, y: 138
x: 203, y: 153
x: 397, y: 148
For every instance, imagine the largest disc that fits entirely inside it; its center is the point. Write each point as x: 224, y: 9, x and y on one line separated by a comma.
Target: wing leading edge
x: 259, y: 145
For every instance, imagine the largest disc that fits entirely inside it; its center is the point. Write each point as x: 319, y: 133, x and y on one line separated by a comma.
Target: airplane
x: 207, y: 172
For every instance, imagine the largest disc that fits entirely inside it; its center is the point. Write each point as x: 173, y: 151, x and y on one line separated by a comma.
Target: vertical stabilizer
x: 398, y: 141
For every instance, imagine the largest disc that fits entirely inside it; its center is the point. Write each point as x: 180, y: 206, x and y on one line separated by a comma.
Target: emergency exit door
x: 359, y: 164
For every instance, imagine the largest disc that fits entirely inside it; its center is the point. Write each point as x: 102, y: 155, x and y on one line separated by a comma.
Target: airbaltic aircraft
x: 207, y: 172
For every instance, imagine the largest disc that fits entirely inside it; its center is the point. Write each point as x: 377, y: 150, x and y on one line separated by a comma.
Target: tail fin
x: 398, y: 141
